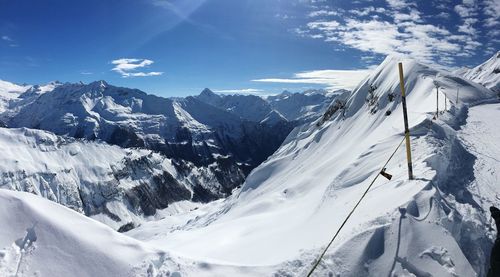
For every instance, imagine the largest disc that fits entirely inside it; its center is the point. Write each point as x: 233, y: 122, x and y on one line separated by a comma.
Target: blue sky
x: 179, y: 47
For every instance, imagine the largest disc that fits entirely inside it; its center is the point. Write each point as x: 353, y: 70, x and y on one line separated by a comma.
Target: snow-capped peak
x: 486, y: 74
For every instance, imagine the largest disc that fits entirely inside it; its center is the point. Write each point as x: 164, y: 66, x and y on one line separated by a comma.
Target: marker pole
x: 405, y: 117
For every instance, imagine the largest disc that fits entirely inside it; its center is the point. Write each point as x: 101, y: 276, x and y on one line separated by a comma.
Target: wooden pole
x: 405, y: 117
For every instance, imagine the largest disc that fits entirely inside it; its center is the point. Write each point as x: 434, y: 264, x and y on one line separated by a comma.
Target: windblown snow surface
x: 291, y: 205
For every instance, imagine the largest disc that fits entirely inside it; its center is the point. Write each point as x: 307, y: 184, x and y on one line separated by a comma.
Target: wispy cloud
x: 330, y: 79
x: 241, y: 91
x: 491, y: 9
x: 408, y: 28
x: 10, y: 41
x: 405, y: 32
x: 322, y: 13
x: 129, y: 67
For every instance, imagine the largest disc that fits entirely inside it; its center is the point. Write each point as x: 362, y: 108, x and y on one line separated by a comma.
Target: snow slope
x: 486, y: 74
x: 41, y: 238
x: 290, y: 206
x: 114, y: 185
x: 9, y: 91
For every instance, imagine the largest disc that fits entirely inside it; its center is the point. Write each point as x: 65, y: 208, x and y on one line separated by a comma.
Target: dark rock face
x: 126, y: 227
x: 124, y: 137
x: 160, y: 191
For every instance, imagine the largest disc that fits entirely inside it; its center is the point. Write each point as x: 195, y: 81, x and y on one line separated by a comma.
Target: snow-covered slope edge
x: 290, y: 206
x: 42, y: 238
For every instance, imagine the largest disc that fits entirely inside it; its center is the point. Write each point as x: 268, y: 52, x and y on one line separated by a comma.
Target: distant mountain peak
x: 100, y: 83
x: 208, y: 96
x: 208, y: 92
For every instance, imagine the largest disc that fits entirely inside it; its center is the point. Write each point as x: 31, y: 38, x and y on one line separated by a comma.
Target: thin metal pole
x: 445, y: 103
x: 437, y: 101
x: 405, y: 117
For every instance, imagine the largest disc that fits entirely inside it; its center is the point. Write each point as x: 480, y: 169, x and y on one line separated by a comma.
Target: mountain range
x: 209, y: 146
x: 121, y: 151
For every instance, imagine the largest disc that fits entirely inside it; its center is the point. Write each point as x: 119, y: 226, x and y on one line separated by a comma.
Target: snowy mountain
x: 184, y: 129
x: 9, y: 91
x: 302, y: 107
x: 120, y: 187
x: 249, y: 107
x: 287, y: 106
x: 486, y: 74
x: 291, y: 205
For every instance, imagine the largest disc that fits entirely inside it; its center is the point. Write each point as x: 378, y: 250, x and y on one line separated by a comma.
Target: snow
x: 486, y: 74
x: 9, y: 91
x: 27, y: 217
x: 188, y: 121
x: 287, y: 106
x: 480, y: 137
x: 290, y: 206
x: 41, y: 238
x: 91, y: 177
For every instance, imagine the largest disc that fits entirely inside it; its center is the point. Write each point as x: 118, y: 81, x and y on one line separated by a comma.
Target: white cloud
x: 399, y: 4
x: 467, y: 27
x: 413, y: 16
x: 406, y: 31
x: 443, y: 15
x: 128, y: 67
x: 408, y: 28
x: 367, y: 10
x: 241, y: 91
x: 322, y: 13
x: 324, y: 25
x: 331, y: 79
x: 492, y: 11
x: 468, y: 8
x: 7, y: 38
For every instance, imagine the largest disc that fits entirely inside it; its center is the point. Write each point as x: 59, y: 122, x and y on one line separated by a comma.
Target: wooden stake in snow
x: 405, y: 117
